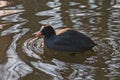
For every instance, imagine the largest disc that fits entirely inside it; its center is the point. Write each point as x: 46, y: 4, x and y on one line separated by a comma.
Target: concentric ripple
x: 32, y: 47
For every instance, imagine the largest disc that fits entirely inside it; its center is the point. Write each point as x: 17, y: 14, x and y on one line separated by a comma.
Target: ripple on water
x: 53, y: 4
x: 81, y: 72
x: 14, y: 67
x: 107, y: 48
x: 57, y: 69
x: 32, y: 47
x: 14, y: 18
x: 49, y: 69
x: 13, y: 29
x: 56, y: 21
x: 52, y: 12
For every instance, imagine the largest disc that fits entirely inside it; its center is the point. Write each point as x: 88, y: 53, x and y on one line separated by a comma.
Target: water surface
x: 98, y: 19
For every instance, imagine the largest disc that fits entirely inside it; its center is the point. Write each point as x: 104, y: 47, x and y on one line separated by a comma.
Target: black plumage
x: 70, y: 40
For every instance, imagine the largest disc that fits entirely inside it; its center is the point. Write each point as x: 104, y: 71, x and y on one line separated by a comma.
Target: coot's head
x: 47, y: 31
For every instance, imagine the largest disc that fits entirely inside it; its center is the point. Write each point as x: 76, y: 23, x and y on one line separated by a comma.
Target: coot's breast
x: 70, y: 41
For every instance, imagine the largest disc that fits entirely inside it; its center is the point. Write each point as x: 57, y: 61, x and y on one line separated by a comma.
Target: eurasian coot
x: 70, y: 40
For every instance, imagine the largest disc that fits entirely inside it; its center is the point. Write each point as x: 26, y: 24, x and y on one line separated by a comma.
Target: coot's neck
x: 50, y: 34
x: 49, y: 38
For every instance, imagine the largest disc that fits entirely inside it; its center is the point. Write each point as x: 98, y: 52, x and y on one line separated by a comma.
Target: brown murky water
x: 20, y: 19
